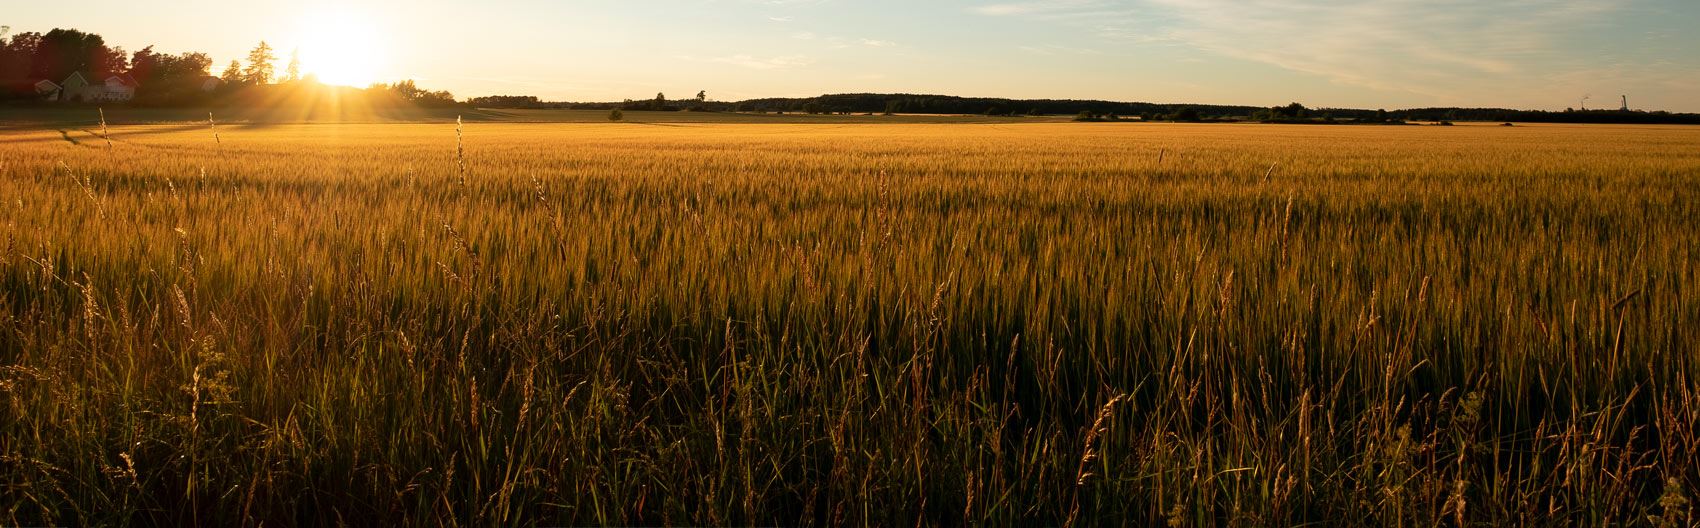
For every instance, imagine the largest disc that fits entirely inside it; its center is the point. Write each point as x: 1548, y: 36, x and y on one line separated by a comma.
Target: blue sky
x: 1391, y: 53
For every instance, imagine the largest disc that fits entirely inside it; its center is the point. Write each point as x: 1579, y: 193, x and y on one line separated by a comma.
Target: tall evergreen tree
x: 260, y: 69
x: 293, y: 72
x: 233, y: 73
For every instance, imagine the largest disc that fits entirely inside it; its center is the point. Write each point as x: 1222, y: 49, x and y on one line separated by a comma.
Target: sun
x: 342, y: 48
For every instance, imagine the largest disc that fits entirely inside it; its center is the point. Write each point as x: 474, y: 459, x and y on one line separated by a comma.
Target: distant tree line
x: 165, y: 79
x: 945, y: 104
x: 1542, y: 116
x: 660, y: 103
x: 409, y: 92
x: 1298, y: 113
x: 1095, y: 110
x: 872, y: 104
x: 1185, y: 114
x: 507, y: 101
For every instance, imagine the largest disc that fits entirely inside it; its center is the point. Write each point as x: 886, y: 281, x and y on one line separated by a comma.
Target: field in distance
x: 20, y: 118
x: 713, y: 323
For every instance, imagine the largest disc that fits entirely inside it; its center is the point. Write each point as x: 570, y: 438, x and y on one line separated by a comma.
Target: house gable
x: 75, y: 82
x: 121, y: 82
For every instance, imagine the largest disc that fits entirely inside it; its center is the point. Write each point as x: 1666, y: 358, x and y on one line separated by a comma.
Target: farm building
x: 115, y: 88
x: 47, y: 89
x: 37, y: 89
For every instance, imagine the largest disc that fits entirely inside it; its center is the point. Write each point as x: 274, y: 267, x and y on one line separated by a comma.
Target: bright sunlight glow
x: 342, y: 49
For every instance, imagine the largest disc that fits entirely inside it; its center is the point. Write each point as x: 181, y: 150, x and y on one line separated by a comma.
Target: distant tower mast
x: 1626, y: 103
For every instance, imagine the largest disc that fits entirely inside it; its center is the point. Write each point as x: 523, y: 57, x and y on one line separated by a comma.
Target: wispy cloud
x: 838, y: 42
x: 1043, y: 8
x: 765, y: 63
x: 1054, y: 49
x: 1445, y: 49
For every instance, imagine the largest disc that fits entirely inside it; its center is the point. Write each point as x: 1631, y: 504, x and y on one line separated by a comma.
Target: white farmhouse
x: 114, y: 89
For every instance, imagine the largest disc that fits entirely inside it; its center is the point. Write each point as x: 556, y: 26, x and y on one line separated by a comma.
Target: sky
x: 1543, y: 54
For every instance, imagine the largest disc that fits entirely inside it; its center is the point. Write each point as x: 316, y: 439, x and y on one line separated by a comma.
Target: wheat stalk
x: 214, y: 126
x: 1090, y: 452
x: 460, y: 149
x: 104, y: 134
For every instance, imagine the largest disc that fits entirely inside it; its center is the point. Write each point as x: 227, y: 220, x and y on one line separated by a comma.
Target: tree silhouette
x: 233, y: 73
x: 406, y: 89
x: 260, y: 70
x: 16, y: 55
x: 293, y: 73
x: 1293, y: 110
x: 168, y: 78
x: 143, y: 63
x: 410, y: 92
x: 60, y: 52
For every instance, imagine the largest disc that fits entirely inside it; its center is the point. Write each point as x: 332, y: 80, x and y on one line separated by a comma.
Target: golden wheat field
x: 867, y: 324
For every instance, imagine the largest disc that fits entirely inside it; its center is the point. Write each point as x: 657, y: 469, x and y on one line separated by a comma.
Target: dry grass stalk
x: 104, y: 133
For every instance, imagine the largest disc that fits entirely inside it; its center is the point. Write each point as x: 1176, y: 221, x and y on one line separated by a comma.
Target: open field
x: 812, y: 324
